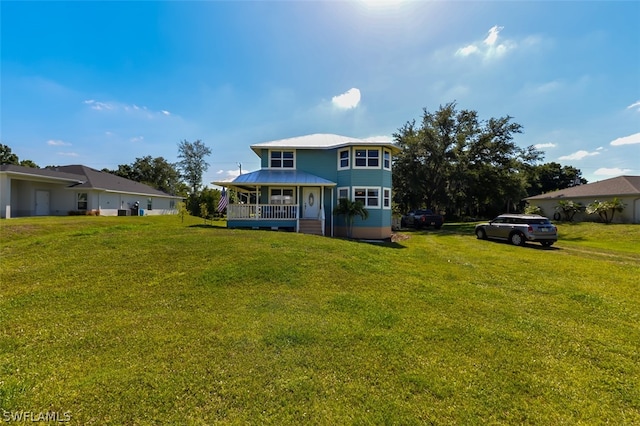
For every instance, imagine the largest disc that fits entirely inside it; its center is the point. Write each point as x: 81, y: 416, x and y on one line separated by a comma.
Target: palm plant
x: 569, y: 209
x: 606, y: 209
x: 350, y: 209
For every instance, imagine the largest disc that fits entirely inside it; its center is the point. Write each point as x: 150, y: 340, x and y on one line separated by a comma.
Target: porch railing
x: 262, y: 211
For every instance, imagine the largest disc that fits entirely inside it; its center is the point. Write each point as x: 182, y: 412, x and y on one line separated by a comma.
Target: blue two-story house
x: 301, y: 180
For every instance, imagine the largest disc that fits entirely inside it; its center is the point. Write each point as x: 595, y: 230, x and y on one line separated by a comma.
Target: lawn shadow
x: 209, y: 226
x: 529, y: 245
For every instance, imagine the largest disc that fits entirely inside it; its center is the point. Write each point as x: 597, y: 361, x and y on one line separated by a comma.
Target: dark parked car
x: 421, y: 219
x: 518, y: 229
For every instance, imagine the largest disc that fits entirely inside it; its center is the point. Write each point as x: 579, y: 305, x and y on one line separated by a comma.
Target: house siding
x: 324, y: 163
x: 630, y: 214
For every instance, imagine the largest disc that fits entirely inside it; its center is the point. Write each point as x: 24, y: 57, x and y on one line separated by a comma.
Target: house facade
x: 76, y: 189
x: 301, y: 180
x: 625, y: 188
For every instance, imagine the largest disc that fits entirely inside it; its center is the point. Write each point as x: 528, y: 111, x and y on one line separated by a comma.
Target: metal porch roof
x: 278, y: 177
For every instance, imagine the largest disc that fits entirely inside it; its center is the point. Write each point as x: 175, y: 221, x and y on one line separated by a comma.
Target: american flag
x: 222, y: 204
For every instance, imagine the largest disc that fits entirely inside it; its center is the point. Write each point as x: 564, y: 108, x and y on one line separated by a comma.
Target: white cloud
x: 627, y: 140
x: 136, y: 139
x: 492, y: 38
x: 132, y: 109
x: 545, y: 145
x: 347, y: 100
x: 467, y: 50
x: 57, y: 142
x: 614, y: 171
x: 635, y: 105
x: 578, y: 155
x: 489, y: 48
x: 98, y: 106
x: 69, y: 154
x: 228, y: 175
x: 548, y: 87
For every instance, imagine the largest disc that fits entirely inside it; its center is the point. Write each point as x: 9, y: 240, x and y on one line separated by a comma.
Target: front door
x: 42, y: 203
x: 310, y: 203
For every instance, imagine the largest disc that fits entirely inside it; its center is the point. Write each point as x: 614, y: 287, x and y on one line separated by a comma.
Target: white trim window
x: 282, y: 196
x: 344, y: 159
x: 343, y: 192
x: 386, y: 198
x: 149, y: 203
x: 82, y: 201
x: 386, y: 159
x: 282, y: 159
x: 366, y: 158
x: 369, y: 196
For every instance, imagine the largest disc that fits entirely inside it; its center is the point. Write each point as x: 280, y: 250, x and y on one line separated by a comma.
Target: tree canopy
x: 8, y: 157
x: 192, y: 163
x: 156, y: 172
x: 455, y: 162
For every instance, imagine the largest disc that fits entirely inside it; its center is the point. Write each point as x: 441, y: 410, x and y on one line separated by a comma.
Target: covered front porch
x: 280, y: 200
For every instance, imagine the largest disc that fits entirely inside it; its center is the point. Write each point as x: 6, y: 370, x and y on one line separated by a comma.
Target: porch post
x: 322, y: 218
x: 332, y: 224
x: 257, y: 201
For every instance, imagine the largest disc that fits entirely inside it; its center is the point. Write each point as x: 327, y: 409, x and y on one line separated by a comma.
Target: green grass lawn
x: 149, y: 320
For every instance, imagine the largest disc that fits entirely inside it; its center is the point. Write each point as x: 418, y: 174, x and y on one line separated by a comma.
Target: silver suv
x: 518, y: 229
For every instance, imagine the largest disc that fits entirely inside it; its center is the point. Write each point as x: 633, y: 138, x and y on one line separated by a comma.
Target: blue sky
x: 101, y: 83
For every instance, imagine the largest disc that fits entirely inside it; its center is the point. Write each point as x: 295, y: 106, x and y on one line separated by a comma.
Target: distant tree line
x: 183, y: 178
x: 450, y: 161
x: 8, y: 157
x: 454, y: 162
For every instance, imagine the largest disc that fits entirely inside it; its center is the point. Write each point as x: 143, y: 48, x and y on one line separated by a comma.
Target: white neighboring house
x: 76, y: 189
x: 625, y: 188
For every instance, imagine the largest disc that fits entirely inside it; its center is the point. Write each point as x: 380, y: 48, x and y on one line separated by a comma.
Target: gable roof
x: 614, y: 187
x: 321, y: 141
x: 79, y: 176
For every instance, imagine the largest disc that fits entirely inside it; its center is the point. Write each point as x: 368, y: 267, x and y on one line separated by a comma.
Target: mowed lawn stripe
x: 153, y: 320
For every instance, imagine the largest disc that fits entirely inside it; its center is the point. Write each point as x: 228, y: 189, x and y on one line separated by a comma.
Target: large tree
x: 8, y: 157
x: 552, y: 176
x: 192, y: 163
x: 454, y: 161
x: 156, y: 172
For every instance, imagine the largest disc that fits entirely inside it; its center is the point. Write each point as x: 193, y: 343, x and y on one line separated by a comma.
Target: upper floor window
x: 281, y: 159
x: 369, y: 158
x: 386, y: 160
x: 344, y: 157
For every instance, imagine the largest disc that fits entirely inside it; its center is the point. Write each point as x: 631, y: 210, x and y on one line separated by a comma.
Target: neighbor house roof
x: 79, y: 176
x: 49, y: 174
x: 277, y: 177
x: 322, y: 141
x: 614, y: 187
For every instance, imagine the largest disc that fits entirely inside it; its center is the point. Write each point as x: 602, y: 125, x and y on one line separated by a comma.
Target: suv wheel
x: 481, y: 234
x: 517, y: 239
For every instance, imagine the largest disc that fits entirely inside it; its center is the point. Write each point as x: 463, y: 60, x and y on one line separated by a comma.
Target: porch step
x: 310, y: 226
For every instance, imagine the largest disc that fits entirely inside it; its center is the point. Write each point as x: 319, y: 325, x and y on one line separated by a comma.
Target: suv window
x: 538, y: 222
